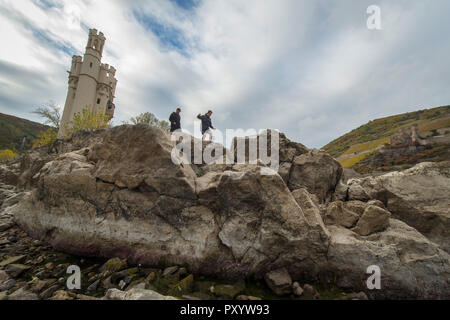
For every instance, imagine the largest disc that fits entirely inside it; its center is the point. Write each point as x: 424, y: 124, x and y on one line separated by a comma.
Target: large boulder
x: 299, y: 166
x: 121, y: 195
x: 418, y: 196
x: 405, y: 257
x: 117, y: 193
x: 279, y: 281
x: 316, y: 171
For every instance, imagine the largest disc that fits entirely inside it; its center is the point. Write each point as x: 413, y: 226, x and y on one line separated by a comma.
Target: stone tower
x: 92, y: 84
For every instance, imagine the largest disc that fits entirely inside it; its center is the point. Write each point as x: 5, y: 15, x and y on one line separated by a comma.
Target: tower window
x: 98, y: 101
x: 90, y: 65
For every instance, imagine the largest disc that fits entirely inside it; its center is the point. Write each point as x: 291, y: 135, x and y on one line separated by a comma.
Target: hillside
x: 13, y: 129
x: 365, y: 142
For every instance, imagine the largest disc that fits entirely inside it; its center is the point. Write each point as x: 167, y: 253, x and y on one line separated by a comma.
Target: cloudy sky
x: 310, y: 68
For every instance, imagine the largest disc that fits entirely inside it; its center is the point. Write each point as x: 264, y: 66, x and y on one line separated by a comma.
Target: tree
x: 151, y: 119
x: 51, y: 112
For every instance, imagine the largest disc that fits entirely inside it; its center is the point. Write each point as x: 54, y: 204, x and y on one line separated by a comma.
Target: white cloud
x: 308, y: 68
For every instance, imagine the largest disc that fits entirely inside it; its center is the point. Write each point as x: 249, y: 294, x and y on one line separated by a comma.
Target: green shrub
x: 46, y: 137
x: 7, y: 155
x: 150, y: 118
x: 88, y: 120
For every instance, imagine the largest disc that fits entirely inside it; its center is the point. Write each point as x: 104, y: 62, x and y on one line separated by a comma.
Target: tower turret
x: 95, y: 43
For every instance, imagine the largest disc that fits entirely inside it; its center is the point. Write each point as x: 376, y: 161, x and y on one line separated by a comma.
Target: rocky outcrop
x: 117, y: 193
x: 316, y: 171
x: 363, y: 218
x: 121, y: 195
x: 418, y: 196
x: 300, y: 167
x: 405, y: 258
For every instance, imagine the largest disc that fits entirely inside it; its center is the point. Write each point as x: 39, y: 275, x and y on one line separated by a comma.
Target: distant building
x: 405, y: 138
x: 92, y: 84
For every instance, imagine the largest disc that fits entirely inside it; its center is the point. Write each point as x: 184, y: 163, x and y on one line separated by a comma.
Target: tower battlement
x: 92, y: 84
x: 110, y: 69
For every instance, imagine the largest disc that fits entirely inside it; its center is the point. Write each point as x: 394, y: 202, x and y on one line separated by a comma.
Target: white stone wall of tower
x: 91, y: 83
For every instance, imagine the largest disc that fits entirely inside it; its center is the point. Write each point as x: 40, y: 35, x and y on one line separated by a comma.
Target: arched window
x: 98, y: 101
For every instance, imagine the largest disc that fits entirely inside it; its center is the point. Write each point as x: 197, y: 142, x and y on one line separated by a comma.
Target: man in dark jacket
x: 206, y: 124
x: 175, y: 120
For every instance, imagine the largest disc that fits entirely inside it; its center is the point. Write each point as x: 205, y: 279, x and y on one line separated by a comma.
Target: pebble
x: 8, y: 284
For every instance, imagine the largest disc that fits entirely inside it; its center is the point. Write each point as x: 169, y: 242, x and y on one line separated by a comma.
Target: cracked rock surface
x: 116, y: 193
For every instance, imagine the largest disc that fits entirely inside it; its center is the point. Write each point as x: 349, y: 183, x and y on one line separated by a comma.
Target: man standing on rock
x: 206, y: 125
x: 175, y: 120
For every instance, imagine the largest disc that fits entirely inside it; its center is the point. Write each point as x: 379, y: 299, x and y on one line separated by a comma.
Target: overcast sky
x: 311, y: 68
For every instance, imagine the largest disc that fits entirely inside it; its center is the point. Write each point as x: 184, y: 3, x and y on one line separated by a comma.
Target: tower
x: 92, y: 84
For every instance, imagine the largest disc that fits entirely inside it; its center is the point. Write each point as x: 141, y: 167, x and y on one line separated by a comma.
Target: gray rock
x: 418, y: 196
x: 359, y: 296
x: 376, y: 203
x: 170, y: 271
x: 337, y: 214
x: 356, y: 206
x: 248, y: 298
x: 405, y: 257
x: 3, y: 276
x: 61, y: 295
x: 12, y: 200
x: 229, y: 291
x: 3, y: 296
x: 316, y: 171
x: 122, y: 194
x: 113, y: 265
x: 141, y: 285
x: 15, y: 259
x: 341, y: 192
x: 15, y: 270
x: 135, y: 294
x: 356, y: 192
x: 279, y: 281
x: 310, y: 290
x: 49, y: 292
x: 374, y: 219
x: 189, y: 214
x: 22, y: 294
x: 6, y: 225
x: 297, y: 289
x: 8, y: 284
x: 93, y: 286
x: 84, y: 297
